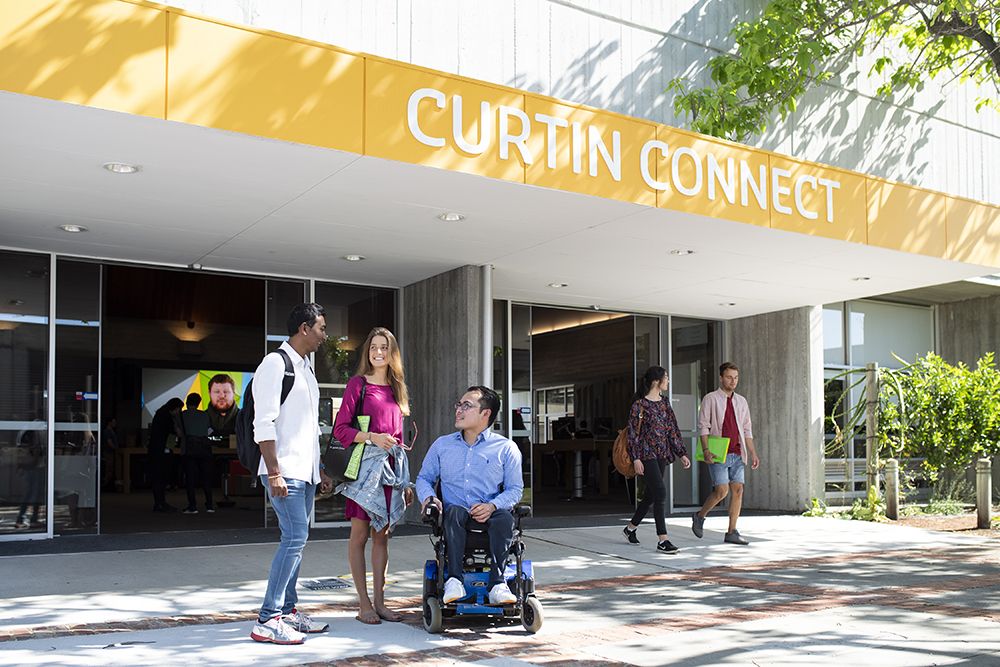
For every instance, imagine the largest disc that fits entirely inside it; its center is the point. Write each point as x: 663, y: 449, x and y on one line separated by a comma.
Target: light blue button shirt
x: 473, y: 474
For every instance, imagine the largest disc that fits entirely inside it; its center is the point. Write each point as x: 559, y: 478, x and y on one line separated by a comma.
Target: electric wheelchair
x: 519, y: 576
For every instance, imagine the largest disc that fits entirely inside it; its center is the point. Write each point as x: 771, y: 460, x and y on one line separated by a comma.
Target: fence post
x: 871, y: 427
x: 892, y: 489
x: 984, y: 493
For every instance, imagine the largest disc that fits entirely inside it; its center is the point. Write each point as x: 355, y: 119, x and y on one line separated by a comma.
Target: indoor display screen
x: 159, y: 385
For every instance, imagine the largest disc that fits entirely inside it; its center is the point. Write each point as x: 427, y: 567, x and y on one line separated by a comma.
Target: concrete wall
x: 966, y: 330
x: 442, y: 348
x: 620, y: 56
x: 780, y: 356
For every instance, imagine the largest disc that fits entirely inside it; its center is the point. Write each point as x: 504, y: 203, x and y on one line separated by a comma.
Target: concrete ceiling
x: 233, y: 202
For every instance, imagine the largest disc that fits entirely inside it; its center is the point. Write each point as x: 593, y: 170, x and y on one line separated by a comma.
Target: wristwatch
x: 369, y: 442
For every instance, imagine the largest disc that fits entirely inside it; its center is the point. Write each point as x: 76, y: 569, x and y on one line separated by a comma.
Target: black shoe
x: 735, y: 538
x: 630, y: 536
x: 190, y: 510
x: 667, y: 547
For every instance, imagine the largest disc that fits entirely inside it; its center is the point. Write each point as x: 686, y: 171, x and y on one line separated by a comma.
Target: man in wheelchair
x: 480, y: 479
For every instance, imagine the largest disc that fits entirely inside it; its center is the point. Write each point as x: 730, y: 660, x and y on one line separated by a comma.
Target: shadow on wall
x: 834, y: 123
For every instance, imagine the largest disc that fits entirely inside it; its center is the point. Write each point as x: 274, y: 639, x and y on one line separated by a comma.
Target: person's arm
x: 674, y: 434
x: 266, y: 390
x: 704, y: 427
x: 633, y: 428
x: 343, y: 430
x: 748, y: 436
x: 430, y: 470
x: 513, y: 481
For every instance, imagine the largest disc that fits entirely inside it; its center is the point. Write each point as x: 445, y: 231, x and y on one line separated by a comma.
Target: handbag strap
x: 359, y: 409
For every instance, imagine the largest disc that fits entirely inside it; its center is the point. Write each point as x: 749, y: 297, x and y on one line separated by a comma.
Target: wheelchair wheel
x: 531, y: 615
x: 432, y: 615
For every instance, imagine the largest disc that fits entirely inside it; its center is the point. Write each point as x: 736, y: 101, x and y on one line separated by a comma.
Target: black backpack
x: 247, y: 448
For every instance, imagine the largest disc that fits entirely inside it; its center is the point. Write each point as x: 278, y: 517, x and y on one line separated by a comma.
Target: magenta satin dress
x: 386, y: 417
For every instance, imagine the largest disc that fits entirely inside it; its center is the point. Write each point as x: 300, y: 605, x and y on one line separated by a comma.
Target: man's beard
x: 223, y: 408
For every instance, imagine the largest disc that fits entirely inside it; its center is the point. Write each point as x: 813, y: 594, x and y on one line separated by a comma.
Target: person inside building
x: 197, y: 454
x: 480, y: 476
x: 222, y: 408
x: 160, y: 460
x: 385, y: 402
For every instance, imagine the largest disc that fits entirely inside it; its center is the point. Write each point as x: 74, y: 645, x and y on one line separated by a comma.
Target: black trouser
x: 654, y: 472
x: 159, y: 465
x: 499, y: 527
x: 196, y: 467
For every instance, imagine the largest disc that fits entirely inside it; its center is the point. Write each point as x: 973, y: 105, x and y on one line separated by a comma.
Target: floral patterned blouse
x: 657, y: 437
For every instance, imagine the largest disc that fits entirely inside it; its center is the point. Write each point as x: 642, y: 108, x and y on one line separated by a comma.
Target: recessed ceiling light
x: 680, y: 252
x: 595, y: 307
x: 354, y: 258
x: 727, y: 304
x: 861, y: 279
x: 16, y: 302
x: 121, y: 167
x: 451, y: 216
x: 73, y: 229
x: 558, y: 285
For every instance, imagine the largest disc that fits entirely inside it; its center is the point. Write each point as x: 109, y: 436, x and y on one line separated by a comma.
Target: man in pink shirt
x: 725, y: 413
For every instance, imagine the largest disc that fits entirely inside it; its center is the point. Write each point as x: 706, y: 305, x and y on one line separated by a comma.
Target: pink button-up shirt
x: 713, y: 411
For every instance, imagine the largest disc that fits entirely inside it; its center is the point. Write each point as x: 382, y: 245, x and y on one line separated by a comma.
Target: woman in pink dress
x: 386, y: 401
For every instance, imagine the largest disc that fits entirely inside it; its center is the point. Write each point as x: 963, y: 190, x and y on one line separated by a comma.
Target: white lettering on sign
x: 690, y: 181
x: 691, y: 173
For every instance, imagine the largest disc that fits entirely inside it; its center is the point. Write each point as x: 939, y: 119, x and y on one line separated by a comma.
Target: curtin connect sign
x: 557, y: 142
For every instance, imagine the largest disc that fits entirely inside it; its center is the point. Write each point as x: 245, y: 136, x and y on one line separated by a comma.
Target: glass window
x: 880, y: 330
x: 833, y: 334
x: 24, y: 355
x: 500, y: 364
x: 647, y: 343
x: 78, y: 313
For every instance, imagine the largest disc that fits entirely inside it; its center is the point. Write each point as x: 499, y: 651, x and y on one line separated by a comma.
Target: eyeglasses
x: 414, y: 432
x: 464, y: 405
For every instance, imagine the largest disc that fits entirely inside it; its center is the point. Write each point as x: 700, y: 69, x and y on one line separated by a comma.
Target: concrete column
x: 892, y: 489
x: 780, y: 356
x: 442, y: 318
x: 984, y: 493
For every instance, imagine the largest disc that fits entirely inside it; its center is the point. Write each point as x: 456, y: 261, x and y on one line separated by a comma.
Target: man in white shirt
x: 288, y: 436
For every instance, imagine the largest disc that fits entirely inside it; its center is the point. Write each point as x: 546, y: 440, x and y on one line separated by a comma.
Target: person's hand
x: 431, y: 500
x: 754, y: 462
x: 709, y: 456
x: 639, y: 468
x: 407, y: 497
x: 279, y: 489
x: 482, y: 511
x: 383, y: 440
x: 326, y: 482
x: 686, y: 462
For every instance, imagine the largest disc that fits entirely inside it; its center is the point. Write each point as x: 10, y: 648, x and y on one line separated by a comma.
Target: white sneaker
x: 276, y: 631
x: 302, y: 623
x: 500, y: 594
x: 453, y: 590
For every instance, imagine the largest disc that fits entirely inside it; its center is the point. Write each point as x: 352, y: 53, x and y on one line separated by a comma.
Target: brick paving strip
x: 561, y: 649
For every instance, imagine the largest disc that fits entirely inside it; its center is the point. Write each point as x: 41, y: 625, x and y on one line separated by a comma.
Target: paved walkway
x: 807, y: 591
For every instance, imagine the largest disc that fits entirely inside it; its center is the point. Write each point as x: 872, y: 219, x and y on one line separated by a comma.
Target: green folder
x: 717, y: 445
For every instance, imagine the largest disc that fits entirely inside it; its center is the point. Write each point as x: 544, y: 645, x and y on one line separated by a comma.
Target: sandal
x: 389, y: 615
x: 368, y: 617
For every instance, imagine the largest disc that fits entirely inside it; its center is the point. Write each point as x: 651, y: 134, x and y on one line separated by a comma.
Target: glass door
x: 24, y: 409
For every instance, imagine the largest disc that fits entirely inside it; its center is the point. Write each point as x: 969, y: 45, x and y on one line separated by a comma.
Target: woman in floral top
x: 654, y: 442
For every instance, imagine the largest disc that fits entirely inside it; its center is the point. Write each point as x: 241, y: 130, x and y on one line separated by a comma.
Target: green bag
x: 357, y: 450
x: 719, y: 447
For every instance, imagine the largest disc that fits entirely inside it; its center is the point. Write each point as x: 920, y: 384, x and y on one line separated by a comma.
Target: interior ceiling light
x: 681, y: 252
x: 558, y: 285
x: 16, y: 302
x: 354, y: 258
x: 73, y: 229
x: 121, y: 167
x: 727, y: 304
x: 451, y: 216
x: 861, y: 279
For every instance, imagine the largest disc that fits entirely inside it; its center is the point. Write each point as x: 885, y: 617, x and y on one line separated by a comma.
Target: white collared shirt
x: 293, y: 425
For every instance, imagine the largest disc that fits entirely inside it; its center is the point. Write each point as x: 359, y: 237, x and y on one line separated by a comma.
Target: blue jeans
x: 733, y: 470
x: 293, y: 521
